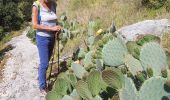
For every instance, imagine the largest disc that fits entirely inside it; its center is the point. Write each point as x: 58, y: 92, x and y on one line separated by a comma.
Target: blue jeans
x: 45, y: 47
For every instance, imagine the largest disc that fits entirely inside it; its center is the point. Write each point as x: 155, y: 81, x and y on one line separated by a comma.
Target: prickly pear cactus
x: 99, y: 64
x: 168, y: 76
x: 128, y: 92
x: 83, y: 90
x: 88, y: 59
x: 91, y: 28
x: 81, y: 53
x: 152, y: 55
x: 72, y: 79
x: 97, y: 97
x: 114, y: 78
x: 113, y: 52
x: 67, y: 97
x: 90, y: 40
x: 153, y: 89
x: 52, y: 95
x: 133, y: 64
x: 75, y: 95
x: 133, y: 49
x: 60, y: 86
x: 78, y: 70
x: 94, y: 81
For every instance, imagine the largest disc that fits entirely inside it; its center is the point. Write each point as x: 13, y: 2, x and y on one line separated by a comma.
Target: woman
x: 44, y: 21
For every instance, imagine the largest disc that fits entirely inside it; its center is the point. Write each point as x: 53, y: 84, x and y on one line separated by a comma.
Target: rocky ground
x: 20, y: 72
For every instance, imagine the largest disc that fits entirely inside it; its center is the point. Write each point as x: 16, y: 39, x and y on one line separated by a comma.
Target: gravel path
x: 21, y: 71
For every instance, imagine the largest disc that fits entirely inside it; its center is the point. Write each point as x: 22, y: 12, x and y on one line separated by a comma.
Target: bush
x: 1, y: 32
x: 9, y: 16
x: 25, y: 9
x: 31, y: 34
x: 154, y: 3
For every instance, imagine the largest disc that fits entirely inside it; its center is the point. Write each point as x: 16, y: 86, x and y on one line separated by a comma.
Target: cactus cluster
x: 114, y: 70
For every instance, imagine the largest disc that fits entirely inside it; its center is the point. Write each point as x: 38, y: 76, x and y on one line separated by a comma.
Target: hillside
x: 97, y: 62
x: 121, y: 12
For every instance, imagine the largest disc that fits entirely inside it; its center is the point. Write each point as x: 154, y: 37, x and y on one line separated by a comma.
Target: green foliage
x: 60, y: 86
x: 94, y: 81
x: 78, y: 70
x: 75, y: 95
x: 134, y: 49
x: 114, y: 78
x: 154, y: 3
x: 73, y: 79
x: 129, y: 91
x: 97, y: 98
x: 113, y: 52
x: 153, y: 56
x: 32, y: 34
x: 133, y: 64
x: 88, y: 59
x: 66, y: 97
x: 25, y: 8
x: 91, y: 27
x: 52, y: 95
x: 99, y: 64
x: 141, y: 77
x: 149, y: 72
x: 1, y: 32
x: 90, y: 41
x: 153, y: 89
x: 167, y: 5
x: 9, y: 16
x: 83, y: 90
x: 147, y: 38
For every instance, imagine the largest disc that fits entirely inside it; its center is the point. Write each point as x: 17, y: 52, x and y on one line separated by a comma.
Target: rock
x: 153, y: 27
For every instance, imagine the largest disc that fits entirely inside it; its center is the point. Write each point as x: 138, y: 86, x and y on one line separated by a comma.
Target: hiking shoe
x: 43, y: 92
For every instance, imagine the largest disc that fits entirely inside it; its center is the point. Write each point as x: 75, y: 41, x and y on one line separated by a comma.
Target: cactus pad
x: 60, y: 86
x: 113, y: 77
x: 78, y: 70
x: 66, y: 97
x: 153, y: 89
x: 83, y: 90
x: 133, y: 64
x: 113, y: 52
x: 129, y: 91
x: 152, y: 55
x: 52, y: 95
x: 94, y: 82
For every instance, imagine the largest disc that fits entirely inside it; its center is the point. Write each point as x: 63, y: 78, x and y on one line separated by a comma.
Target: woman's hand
x: 56, y: 28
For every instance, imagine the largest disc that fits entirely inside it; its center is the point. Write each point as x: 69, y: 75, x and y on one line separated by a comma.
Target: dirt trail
x: 21, y: 71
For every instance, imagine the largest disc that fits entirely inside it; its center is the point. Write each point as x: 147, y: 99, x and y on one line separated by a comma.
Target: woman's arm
x: 41, y: 27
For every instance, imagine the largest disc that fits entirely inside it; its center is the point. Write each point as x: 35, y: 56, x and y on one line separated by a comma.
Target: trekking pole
x: 58, y: 51
x: 53, y: 54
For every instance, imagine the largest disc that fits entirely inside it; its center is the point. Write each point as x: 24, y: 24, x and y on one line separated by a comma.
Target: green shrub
x: 9, y: 16
x: 1, y: 32
x: 154, y: 3
x: 31, y: 34
x: 25, y: 9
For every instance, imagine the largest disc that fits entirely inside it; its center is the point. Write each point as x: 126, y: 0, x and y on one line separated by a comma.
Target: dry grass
x: 122, y: 12
x: 165, y: 41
